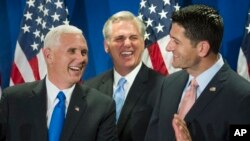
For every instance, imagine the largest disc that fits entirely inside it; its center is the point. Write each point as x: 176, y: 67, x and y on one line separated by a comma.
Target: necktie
x: 57, y: 119
x: 188, y: 99
x: 119, y: 96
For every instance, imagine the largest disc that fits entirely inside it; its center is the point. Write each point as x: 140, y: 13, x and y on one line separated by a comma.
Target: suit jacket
x: 138, y: 106
x: 23, y: 108
x: 225, y: 101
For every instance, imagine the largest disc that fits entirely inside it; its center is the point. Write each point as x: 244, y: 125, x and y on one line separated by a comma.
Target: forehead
x: 125, y: 26
x: 72, y: 38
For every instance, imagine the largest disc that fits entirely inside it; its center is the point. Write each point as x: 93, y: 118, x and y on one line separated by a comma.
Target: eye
x: 119, y: 39
x: 84, y: 52
x: 177, y: 42
x: 72, y: 50
x: 133, y: 38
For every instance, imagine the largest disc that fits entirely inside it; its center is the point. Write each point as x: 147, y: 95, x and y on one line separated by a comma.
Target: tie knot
x: 194, y: 83
x: 121, y: 82
x: 61, y: 96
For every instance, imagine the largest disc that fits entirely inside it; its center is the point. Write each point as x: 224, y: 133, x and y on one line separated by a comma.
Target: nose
x: 127, y: 42
x: 170, y: 45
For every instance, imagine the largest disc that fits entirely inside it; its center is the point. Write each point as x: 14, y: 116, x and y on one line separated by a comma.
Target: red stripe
x: 157, y: 59
x: 16, y: 75
x: 34, y: 65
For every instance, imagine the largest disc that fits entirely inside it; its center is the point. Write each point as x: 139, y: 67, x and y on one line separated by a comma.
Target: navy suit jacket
x: 23, y: 108
x: 138, y: 106
x: 225, y: 101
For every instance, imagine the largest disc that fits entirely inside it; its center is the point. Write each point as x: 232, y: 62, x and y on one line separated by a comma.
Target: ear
x: 106, y: 46
x: 203, y: 48
x: 47, y: 54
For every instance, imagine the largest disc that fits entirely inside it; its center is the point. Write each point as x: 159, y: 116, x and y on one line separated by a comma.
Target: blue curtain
x: 90, y: 15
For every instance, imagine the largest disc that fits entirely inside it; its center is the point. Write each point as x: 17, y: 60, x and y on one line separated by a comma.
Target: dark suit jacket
x: 138, y: 106
x: 225, y: 101
x: 23, y: 111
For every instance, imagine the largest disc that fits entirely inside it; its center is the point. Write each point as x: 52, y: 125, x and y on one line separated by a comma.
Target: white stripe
x: 167, y: 56
x: 41, y: 64
x: 23, y: 65
x: 146, y: 58
x: 242, y: 66
x: 11, y: 82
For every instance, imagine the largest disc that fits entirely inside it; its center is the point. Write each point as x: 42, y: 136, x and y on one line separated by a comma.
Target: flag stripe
x: 34, y: 65
x: 16, y: 75
x: 157, y: 59
x: 21, y: 70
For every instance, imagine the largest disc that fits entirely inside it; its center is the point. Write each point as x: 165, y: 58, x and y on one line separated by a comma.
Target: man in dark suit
x: 124, y: 41
x: 222, y: 96
x: 26, y: 109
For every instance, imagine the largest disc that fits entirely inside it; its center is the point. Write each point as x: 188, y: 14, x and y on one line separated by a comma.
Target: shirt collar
x: 129, y: 77
x: 52, y: 91
x: 205, y: 77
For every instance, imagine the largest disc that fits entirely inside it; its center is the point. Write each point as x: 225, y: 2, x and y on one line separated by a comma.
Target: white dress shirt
x: 129, y: 77
x: 52, y: 92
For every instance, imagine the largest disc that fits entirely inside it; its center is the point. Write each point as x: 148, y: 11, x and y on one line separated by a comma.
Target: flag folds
x: 39, y: 17
x: 156, y: 15
x: 243, y: 66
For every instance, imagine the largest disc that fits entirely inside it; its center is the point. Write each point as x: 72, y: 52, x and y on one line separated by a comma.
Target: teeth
x: 126, y: 53
x: 76, y: 68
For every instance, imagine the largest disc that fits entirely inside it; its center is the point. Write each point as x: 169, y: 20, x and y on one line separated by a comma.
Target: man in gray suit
x: 26, y: 109
x: 124, y: 41
x: 222, y: 97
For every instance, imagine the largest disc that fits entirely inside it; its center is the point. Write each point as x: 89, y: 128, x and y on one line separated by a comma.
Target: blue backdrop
x: 90, y: 15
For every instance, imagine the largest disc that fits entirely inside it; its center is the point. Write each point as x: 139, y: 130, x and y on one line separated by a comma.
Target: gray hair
x: 122, y: 16
x: 53, y: 36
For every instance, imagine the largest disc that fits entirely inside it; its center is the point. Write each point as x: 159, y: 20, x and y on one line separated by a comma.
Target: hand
x: 180, y: 129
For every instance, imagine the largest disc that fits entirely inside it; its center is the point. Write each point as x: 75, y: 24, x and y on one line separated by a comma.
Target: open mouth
x: 74, y: 68
x: 126, y: 53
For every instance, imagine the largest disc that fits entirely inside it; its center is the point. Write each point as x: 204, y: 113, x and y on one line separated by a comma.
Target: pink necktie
x: 188, y: 99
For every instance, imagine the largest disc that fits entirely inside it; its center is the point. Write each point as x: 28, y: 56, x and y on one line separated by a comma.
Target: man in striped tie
x: 217, y: 96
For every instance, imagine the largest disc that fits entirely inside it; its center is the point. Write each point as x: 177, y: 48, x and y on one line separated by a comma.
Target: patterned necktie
x: 57, y: 119
x: 188, y: 99
x: 119, y: 96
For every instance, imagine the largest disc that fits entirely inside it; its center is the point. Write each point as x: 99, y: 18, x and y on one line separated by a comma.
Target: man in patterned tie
x: 85, y: 113
x: 222, y: 96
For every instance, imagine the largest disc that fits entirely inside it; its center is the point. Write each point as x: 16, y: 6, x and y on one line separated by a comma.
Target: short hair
x: 201, y: 23
x: 53, y: 36
x: 122, y: 16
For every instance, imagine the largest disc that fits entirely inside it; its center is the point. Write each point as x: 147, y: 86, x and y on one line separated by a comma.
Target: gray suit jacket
x: 23, y: 111
x: 225, y: 101
x: 138, y: 107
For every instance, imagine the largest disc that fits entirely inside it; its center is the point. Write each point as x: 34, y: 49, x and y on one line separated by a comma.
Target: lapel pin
x: 77, y: 109
x: 212, y: 89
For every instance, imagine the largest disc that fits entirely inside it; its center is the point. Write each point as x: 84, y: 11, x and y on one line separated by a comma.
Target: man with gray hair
x: 131, y: 83
x: 58, y: 107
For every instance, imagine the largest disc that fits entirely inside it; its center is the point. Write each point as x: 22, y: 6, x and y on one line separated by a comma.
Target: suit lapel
x: 209, y: 93
x: 136, y: 91
x: 76, y: 109
x: 106, y: 85
x: 38, y: 99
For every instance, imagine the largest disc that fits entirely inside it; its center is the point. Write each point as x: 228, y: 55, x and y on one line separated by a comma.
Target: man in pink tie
x: 216, y: 98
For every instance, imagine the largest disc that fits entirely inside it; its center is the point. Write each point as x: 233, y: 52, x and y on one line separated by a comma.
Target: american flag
x: 243, y: 67
x: 39, y: 17
x: 156, y: 15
